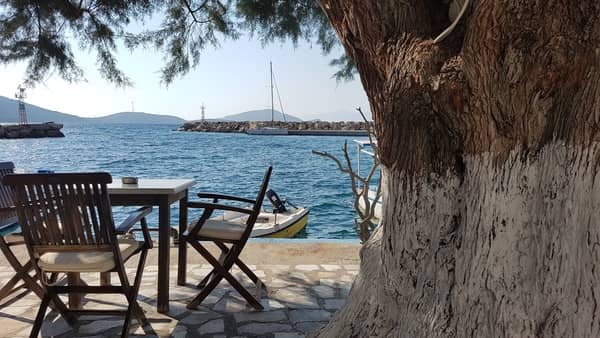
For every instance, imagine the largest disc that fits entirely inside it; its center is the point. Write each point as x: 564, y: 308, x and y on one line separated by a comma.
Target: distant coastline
x: 314, y: 128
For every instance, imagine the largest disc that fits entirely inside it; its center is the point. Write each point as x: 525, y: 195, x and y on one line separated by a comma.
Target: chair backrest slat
x: 6, y: 192
x: 259, y: 201
x: 67, y: 212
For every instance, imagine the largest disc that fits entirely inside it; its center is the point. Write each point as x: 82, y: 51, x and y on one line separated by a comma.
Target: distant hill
x: 8, y: 114
x: 137, y: 117
x: 260, y: 115
x: 9, y: 108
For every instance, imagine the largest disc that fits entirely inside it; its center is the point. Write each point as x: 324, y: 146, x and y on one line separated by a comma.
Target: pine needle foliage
x: 41, y: 33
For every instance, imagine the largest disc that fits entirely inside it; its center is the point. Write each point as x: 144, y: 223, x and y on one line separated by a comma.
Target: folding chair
x: 9, y: 238
x: 68, y: 228
x: 222, y: 233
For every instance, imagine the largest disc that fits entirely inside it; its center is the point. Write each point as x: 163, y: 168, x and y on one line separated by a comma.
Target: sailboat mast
x: 272, y: 104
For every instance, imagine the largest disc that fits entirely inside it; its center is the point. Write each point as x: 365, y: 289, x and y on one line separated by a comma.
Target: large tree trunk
x: 490, y: 152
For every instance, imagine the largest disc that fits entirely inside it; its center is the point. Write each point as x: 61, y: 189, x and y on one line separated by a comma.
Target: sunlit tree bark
x: 489, y: 148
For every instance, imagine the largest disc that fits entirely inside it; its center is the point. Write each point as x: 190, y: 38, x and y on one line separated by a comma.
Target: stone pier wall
x: 36, y: 130
x: 242, y: 127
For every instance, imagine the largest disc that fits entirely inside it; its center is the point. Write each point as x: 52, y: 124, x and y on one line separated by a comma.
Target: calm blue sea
x: 227, y: 163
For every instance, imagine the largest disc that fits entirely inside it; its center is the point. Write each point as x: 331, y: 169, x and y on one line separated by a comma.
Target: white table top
x: 150, y: 186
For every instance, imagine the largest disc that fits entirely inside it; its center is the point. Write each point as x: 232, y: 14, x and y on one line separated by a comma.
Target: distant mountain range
x: 8, y: 114
x: 259, y: 115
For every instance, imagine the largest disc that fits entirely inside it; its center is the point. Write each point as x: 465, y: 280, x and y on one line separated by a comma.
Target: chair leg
x: 136, y: 288
x: 222, y: 257
x: 243, y: 267
x: 10, y: 287
x: 206, y: 279
x: 222, y: 271
x: 214, y: 281
x: 39, y: 319
x: 131, y: 294
x: 127, y: 323
x: 206, y: 290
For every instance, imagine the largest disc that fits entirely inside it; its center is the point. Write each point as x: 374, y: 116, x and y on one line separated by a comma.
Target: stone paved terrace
x: 307, y: 282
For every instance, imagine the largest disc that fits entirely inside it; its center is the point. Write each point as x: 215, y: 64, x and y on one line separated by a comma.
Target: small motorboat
x: 284, y: 221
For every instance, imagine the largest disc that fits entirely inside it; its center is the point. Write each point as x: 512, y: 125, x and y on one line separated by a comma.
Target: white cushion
x: 221, y: 230
x: 89, y: 261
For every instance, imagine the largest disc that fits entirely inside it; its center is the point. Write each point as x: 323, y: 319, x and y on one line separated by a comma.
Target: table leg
x: 104, y: 278
x: 74, y: 278
x: 183, y: 223
x: 164, y: 248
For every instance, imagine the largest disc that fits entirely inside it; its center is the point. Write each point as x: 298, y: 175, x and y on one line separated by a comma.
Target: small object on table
x: 129, y: 180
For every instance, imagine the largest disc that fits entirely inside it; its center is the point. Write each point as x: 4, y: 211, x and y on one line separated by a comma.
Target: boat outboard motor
x: 276, y: 202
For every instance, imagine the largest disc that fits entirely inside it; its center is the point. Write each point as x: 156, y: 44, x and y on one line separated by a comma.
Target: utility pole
x: 21, y: 95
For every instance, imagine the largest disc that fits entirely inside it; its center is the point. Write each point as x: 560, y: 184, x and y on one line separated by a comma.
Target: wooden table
x: 161, y: 193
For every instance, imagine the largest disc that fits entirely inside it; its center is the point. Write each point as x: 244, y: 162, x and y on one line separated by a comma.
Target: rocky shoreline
x: 295, y: 128
x: 34, y: 130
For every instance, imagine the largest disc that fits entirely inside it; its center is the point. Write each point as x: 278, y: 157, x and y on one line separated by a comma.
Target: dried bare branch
x: 365, y: 222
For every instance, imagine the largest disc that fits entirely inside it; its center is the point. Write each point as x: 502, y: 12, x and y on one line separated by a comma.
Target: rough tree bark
x: 490, y: 151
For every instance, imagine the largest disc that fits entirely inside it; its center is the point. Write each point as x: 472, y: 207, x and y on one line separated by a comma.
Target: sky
x: 229, y: 80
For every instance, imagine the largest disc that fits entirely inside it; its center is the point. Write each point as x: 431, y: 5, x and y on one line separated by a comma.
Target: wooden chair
x: 222, y: 233
x: 10, y: 238
x: 68, y: 228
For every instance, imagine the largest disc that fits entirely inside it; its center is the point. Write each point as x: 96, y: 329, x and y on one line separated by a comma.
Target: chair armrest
x: 132, y: 219
x: 215, y: 206
x: 8, y: 209
x: 226, y: 197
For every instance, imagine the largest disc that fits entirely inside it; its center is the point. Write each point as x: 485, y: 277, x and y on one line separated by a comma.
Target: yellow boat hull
x: 291, y: 230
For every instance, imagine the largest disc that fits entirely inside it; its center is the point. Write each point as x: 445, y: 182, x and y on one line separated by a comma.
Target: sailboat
x: 272, y: 130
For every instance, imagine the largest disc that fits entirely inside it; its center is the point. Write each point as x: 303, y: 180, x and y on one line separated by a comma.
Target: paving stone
x: 214, y: 326
x: 291, y: 308
x: 280, y: 283
x: 352, y: 267
x: 163, y: 329
x: 329, y: 274
x: 347, y: 278
x: 324, y: 291
x: 230, y: 304
x: 99, y: 326
x: 307, y: 267
x: 288, y: 335
x: 150, y: 268
x: 179, y: 332
x: 334, y: 304
x: 264, y: 316
x: 263, y: 328
x: 271, y: 304
x: 310, y: 326
x: 345, y: 291
x: 177, y: 309
x: 197, y: 317
x: 297, y: 316
x: 55, y: 327
x: 15, y: 311
x: 295, y: 299
x: 328, y: 282
x: 11, y: 327
x: 295, y: 277
x: 331, y: 267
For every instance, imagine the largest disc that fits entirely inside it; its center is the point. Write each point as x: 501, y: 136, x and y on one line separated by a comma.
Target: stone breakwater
x: 35, y: 130
x: 295, y: 128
